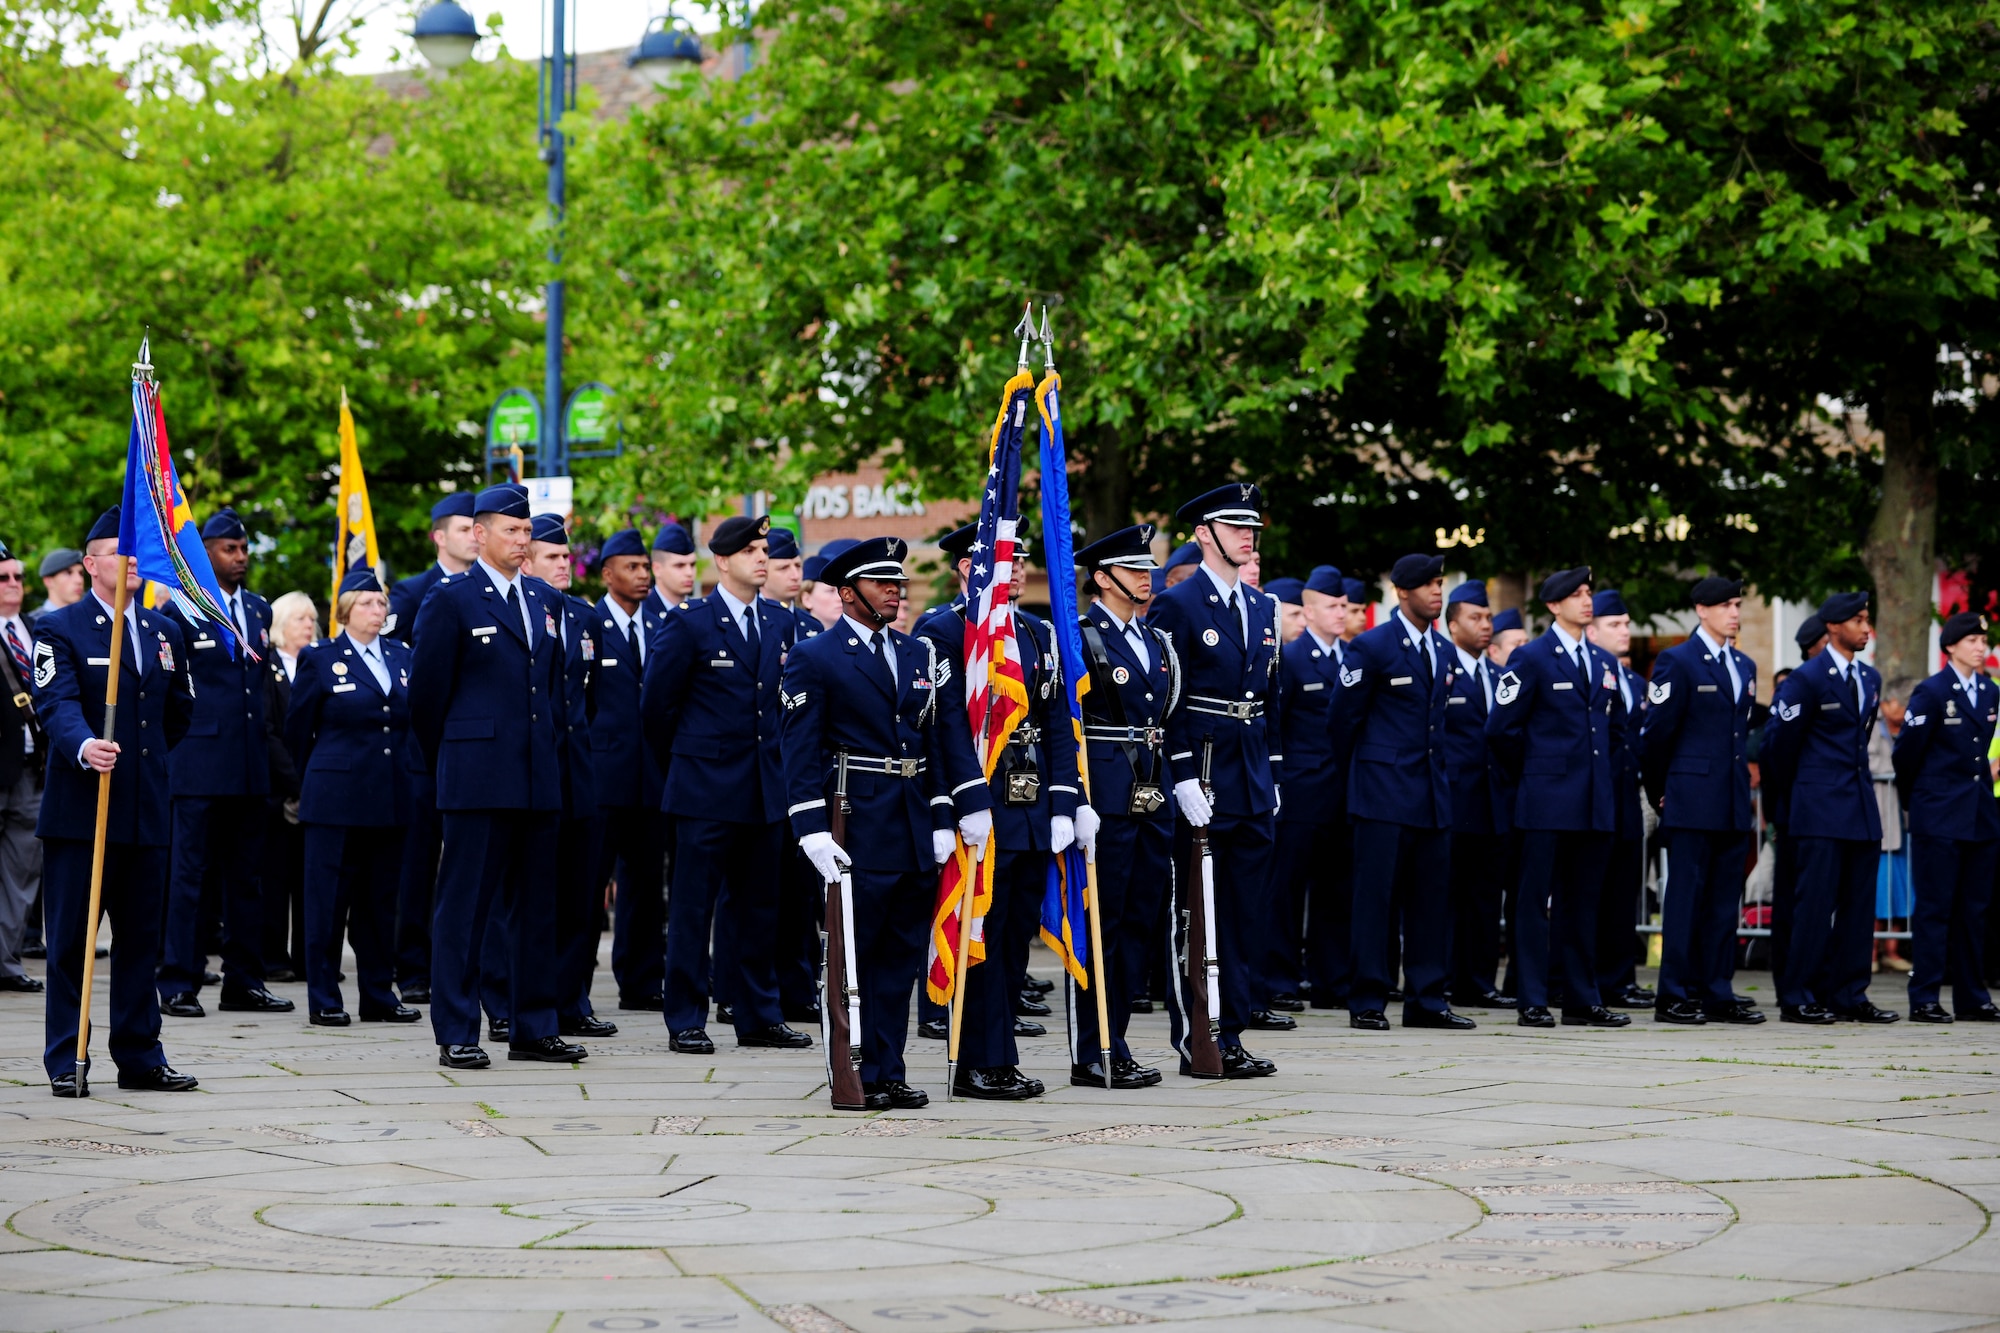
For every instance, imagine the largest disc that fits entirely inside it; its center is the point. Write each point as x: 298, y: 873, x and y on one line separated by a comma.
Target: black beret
x: 1715, y: 590
x: 1414, y: 571
x: 1843, y: 606
x: 736, y: 533
x: 1962, y: 626
x: 223, y: 525
x: 1564, y: 582
x: 1810, y: 631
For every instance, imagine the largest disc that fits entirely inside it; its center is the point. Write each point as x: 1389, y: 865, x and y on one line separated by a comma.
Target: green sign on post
x: 589, y: 416
x: 516, y: 419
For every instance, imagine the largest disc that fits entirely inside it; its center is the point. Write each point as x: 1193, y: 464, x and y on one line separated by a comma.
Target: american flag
x: 996, y: 691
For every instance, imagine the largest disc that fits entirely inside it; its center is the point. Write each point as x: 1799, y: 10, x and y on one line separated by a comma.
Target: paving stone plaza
x: 1780, y: 1177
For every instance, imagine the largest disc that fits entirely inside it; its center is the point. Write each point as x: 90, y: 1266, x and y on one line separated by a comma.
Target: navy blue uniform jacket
x: 1145, y: 697
x: 1552, y: 731
x: 406, y: 598
x: 486, y: 703
x: 350, y: 740
x: 1249, y: 752
x: 628, y: 773
x: 1628, y: 724
x: 837, y: 696
x: 1390, y: 730
x: 1315, y: 782
x: 712, y: 712
x: 1695, y: 748
x: 1816, y: 749
x: 581, y: 651
x: 225, y: 751
x: 1940, y: 757
x: 1482, y: 800
x: 155, y: 706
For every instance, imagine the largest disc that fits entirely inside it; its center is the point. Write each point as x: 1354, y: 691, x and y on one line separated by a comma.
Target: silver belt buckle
x: 1155, y: 737
x: 903, y: 768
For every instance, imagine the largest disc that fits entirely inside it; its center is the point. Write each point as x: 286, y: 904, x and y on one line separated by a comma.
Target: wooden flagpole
x: 110, y: 733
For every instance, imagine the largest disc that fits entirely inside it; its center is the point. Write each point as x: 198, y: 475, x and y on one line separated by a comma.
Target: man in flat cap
x: 1696, y: 762
x: 1224, y: 753
x: 1946, y: 781
x: 63, y: 581
x: 1388, y: 725
x: 221, y: 775
x: 1551, y: 729
x: 488, y: 708
x: 712, y: 712
x: 1815, y: 749
x: 1482, y: 806
x: 1619, y: 950
x: 156, y: 705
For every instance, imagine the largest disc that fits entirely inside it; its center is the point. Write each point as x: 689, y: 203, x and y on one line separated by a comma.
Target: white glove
x: 1087, y: 824
x: 1277, y: 799
x: 943, y: 844
x: 976, y: 828
x: 1195, y: 808
x: 1062, y: 832
x: 826, y: 855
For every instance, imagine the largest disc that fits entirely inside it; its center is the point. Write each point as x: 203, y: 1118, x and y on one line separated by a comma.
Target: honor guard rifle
x: 1200, y: 962
x: 840, y: 997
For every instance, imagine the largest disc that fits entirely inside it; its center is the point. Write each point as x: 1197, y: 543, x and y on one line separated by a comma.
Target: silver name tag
x: 609, y: 661
x: 1401, y: 680
x: 1310, y: 686
x: 722, y: 662
x: 484, y: 630
x: 204, y: 643
x: 1704, y: 689
x: 1458, y: 699
x: 1564, y: 685
x: 1830, y: 708
x: 342, y: 689
x: 97, y: 661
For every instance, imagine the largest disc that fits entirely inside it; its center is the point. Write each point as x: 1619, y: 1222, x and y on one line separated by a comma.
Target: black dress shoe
x: 207, y: 978
x: 589, y: 1025
x: 160, y: 1078
x: 1146, y: 1074
x: 27, y: 985
x: 1477, y: 999
x: 802, y: 1013
x: 329, y: 1018
x: 898, y: 1094
x: 936, y: 1029
x: 1685, y: 1012
x: 415, y: 993
x: 1025, y: 1027
x: 1865, y: 1012
x: 280, y: 975
x: 1239, y: 1063
x: 1595, y: 1016
x: 1092, y: 1076
x: 462, y: 1057
x: 690, y: 1041
x: 1038, y: 986
x: 777, y: 1036
x: 548, y: 1050
x: 1743, y: 1015
x: 1263, y: 1020
x: 402, y: 1013
x: 1141, y: 1007
x: 254, y: 1000
x: 1431, y: 1018
x: 1000, y: 1084
x: 1026, y: 1005
x: 1394, y: 995
x: 1929, y: 1013
x: 1816, y: 1015
x: 183, y: 1005
x: 642, y: 1004
x: 870, y: 1101
x: 1369, y: 1020
x: 1984, y: 1013
x: 1535, y: 1016
x: 34, y: 951
x: 1632, y: 997
x: 499, y: 1029
x: 1289, y: 1004
x: 65, y: 1085
x: 726, y: 1014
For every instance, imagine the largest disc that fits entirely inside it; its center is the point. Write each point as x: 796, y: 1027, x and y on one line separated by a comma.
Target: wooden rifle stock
x: 840, y: 996
x: 1199, y: 962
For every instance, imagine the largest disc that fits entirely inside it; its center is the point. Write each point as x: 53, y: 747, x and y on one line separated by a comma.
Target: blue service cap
x: 456, y: 505
x: 1564, y: 582
x: 1326, y: 579
x: 1188, y: 553
x: 958, y: 542
x: 1357, y: 592
x: 1414, y: 571
x: 1508, y: 619
x: 625, y: 541
x: 1240, y: 503
x: 549, y: 528
x: 1610, y: 602
x: 1810, y: 631
x: 736, y: 532
x: 105, y: 529
x: 1127, y: 548
x: 224, y: 525
x: 780, y: 544
x: 360, y: 580
x: 1472, y: 590
x: 674, y: 540
x: 817, y: 562
x: 506, y: 500
x: 875, y: 558
x: 1842, y: 606
x: 1289, y: 591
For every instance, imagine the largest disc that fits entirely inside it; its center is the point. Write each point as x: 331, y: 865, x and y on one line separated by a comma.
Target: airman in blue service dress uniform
x: 1777, y: 799
x: 1314, y: 865
x: 220, y: 776
x: 1618, y: 950
x: 1035, y: 807
x: 1946, y: 782
x: 1388, y: 726
x: 1816, y: 747
x: 799, y: 906
x: 348, y: 730
x: 451, y: 534
x: 487, y: 706
x: 1554, y: 710
x: 712, y: 712
x: 1134, y: 688
x: 155, y: 705
x: 877, y: 697
x: 1695, y: 750
x: 1482, y: 803
x: 632, y: 844
x: 1224, y: 751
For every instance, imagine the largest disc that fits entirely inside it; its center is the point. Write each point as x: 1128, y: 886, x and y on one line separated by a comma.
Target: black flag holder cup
x: 1200, y: 961
x: 840, y: 1000
x: 142, y: 373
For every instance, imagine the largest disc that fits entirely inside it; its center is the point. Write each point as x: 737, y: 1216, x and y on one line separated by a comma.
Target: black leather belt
x: 1238, y: 708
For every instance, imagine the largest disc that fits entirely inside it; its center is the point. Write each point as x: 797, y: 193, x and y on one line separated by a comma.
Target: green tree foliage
x: 284, y: 231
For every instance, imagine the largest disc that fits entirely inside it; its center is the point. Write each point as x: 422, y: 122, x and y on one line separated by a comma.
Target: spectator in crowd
x: 62, y: 581
x: 294, y: 626
x: 1893, y: 896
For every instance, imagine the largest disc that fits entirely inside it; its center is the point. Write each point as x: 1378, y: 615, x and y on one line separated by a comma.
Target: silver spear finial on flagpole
x: 1048, y: 343
x: 142, y: 369
x: 1026, y: 329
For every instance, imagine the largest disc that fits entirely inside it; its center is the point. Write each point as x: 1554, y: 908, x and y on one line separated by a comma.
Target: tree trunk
x: 1901, y: 553
x: 1107, y: 486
